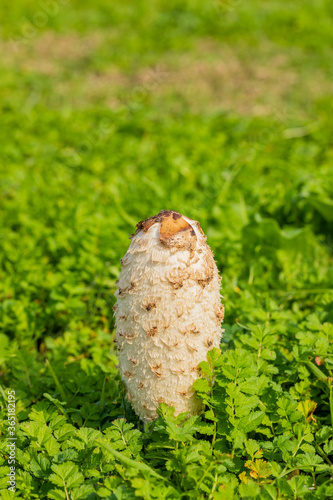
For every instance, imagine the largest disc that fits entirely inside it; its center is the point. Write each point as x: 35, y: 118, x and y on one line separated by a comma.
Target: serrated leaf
x: 210, y: 416
x: 201, y: 385
x: 40, y: 466
x: 66, y: 474
x: 206, y: 369
x: 328, y: 447
x: 251, y: 446
x: 127, y: 461
x: 298, y: 483
x: 310, y: 461
x: 259, y: 468
x: 56, y: 494
x: 51, y: 446
x: 238, y: 437
x: 323, y: 434
x: 249, y: 490
x: 214, y: 356
x: 251, y: 422
x: 307, y: 448
x: 67, y: 455
x: 307, y: 408
x: 65, y: 432
x: 124, y: 437
x: 254, y: 385
x: 82, y: 492
x: 269, y: 492
x: 42, y: 413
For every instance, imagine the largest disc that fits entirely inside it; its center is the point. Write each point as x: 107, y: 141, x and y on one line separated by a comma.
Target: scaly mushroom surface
x: 168, y: 313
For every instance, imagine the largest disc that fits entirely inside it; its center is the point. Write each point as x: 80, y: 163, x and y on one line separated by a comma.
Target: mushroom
x: 168, y: 313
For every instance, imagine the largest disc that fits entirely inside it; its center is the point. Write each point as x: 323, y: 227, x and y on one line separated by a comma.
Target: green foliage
x: 78, y: 172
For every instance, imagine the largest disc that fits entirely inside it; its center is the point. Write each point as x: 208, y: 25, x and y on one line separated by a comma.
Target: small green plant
x: 262, y: 435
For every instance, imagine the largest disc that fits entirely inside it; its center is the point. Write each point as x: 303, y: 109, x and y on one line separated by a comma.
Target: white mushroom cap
x: 168, y: 313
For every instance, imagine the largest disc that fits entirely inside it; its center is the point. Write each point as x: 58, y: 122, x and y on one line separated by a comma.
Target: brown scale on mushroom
x: 157, y: 370
x: 220, y: 313
x: 152, y: 331
x: 176, y: 283
x: 122, y: 317
x: 128, y: 336
x: 195, y: 369
x: 170, y: 344
x: 206, y: 281
x: 191, y: 329
x: 149, y: 304
x: 191, y: 347
x: 180, y: 371
x: 166, y: 339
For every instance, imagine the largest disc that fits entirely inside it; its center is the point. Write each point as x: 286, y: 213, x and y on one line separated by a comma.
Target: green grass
x: 111, y: 113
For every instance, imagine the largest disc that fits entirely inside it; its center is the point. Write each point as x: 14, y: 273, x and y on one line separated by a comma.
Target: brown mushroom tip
x: 175, y: 231
x: 147, y: 223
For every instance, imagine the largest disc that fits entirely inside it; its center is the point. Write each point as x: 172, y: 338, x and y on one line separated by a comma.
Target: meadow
x: 111, y: 112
